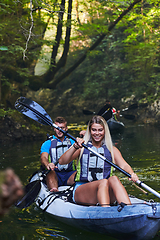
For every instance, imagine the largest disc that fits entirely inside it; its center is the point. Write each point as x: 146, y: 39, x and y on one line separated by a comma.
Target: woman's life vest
x: 56, y: 151
x: 91, y: 167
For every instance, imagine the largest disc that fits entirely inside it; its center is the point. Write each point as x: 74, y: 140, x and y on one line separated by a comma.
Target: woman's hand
x: 72, y: 153
x: 78, y: 143
x: 134, y: 177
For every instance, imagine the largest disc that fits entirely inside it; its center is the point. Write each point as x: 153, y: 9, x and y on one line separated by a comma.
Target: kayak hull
x: 138, y: 221
x: 117, y: 228
x: 115, y: 126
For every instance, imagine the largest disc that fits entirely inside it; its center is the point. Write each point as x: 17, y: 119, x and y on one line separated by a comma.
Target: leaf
x: 3, y: 48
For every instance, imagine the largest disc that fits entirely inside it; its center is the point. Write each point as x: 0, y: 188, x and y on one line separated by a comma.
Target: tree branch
x: 53, y: 67
x: 63, y: 59
x: 98, y: 41
x: 30, y: 32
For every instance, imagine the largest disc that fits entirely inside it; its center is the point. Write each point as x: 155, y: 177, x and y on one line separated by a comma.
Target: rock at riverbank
x: 16, y: 131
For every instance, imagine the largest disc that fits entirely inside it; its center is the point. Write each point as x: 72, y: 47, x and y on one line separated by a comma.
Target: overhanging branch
x: 57, y: 80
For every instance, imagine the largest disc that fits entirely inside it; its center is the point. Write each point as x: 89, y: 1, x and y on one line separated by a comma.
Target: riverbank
x: 149, y: 114
x: 17, y: 127
x: 13, y: 130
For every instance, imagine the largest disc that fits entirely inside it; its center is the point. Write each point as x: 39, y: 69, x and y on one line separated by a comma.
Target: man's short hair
x: 61, y: 120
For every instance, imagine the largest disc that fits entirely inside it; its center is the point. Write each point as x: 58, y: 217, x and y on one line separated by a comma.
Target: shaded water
x: 140, y: 146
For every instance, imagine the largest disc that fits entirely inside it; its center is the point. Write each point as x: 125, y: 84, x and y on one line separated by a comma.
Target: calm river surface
x: 139, y: 145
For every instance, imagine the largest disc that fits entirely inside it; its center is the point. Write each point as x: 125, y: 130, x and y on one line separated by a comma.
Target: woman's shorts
x: 77, y: 184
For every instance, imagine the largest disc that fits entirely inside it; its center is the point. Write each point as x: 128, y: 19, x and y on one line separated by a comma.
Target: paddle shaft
x: 49, y: 122
x: 141, y: 184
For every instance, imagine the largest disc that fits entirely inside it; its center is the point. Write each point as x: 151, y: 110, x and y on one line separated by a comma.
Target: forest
x: 70, y: 55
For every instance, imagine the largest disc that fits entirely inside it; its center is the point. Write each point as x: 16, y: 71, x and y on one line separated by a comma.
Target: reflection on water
x: 139, y: 146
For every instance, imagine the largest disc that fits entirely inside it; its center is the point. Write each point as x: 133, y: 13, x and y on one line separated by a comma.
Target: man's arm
x: 45, y: 163
x: 44, y: 159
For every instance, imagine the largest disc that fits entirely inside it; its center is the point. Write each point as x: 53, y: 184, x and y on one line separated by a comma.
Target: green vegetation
x: 72, y: 54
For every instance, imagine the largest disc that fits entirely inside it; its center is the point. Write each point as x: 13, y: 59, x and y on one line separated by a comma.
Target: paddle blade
x: 33, y: 110
x: 31, y: 192
x: 87, y: 112
x: 133, y: 106
x: 128, y: 116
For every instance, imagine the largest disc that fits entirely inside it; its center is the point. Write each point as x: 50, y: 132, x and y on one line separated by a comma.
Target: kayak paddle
x: 126, y: 116
x: 131, y: 107
x: 33, y: 110
x: 88, y: 112
x: 31, y: 191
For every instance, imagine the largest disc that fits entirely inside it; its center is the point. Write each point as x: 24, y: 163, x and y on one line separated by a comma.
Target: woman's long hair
x: 107, y: 137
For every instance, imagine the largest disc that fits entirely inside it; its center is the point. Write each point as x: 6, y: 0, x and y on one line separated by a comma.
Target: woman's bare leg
x: 117, y: 191
x: 103, y: 192
x: 93, y: 193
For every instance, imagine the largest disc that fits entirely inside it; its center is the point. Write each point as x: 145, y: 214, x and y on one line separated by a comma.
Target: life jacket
x: 114, y: 110
x: 114, y: 114
x: 91, y: 167
x: 57, y: 149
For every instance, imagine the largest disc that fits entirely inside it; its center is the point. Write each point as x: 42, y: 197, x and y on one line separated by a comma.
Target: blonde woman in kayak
x: 94, y: 181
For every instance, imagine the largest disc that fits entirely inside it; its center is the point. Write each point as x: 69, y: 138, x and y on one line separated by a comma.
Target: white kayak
x: 139, y: 221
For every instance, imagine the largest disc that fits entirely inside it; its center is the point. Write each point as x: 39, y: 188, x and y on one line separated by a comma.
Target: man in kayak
x: 107, y: 111
x: 51, y: 151
x: 94, y: 180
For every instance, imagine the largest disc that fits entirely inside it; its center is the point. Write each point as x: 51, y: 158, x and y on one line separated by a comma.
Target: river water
x: 139, y: 145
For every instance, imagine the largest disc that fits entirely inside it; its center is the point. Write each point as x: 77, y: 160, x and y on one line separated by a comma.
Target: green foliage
x: 9, y: 112
x: 14, y: 28
x: 126, y: 62
x: 2, y: 112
